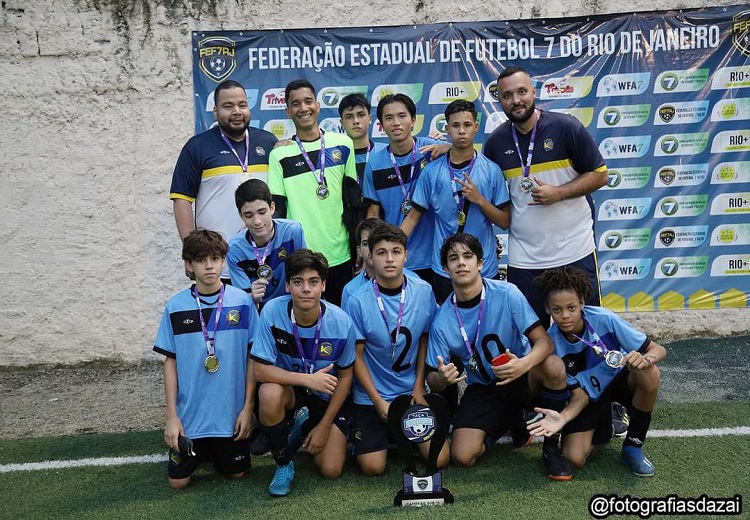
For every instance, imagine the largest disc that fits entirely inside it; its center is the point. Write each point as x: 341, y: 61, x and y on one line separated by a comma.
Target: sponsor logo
x: 666, y: 113
x: 233, y: 317
x: 667, y: 175
x: 741, y: 32
x: 549, y: 145
x: 283, y: 253
x: 188, y: 321
x: 216, y: 57
x: 613, y: 240
x: 273, y: 99
x: 613, y: 179
x: 669, y: 206
x: 667, y: 237
x: 611, y: 116
x: 669, y: 81
x: 330, y: 97
x: 670, y: 144
x: 259, y: 150
x: 669, y: 267
x: 325, y: 349
x: 336, y: 156
x: 492, y: 89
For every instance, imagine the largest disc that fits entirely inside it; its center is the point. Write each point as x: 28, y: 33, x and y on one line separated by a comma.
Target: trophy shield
x: 415, y: 424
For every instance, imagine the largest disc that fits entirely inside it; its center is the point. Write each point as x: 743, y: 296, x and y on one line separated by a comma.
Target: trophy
x: 417, y: 424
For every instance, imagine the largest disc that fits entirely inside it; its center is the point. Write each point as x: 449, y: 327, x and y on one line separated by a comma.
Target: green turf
x: 506, y: 484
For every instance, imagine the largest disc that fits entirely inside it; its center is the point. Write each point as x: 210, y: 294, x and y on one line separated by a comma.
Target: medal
x: 406, y: 207
x: 265, y: 272
x: 461, y: 218
x: 458, y: 197
x: 473, y: 363
x: 211, y: 364
x: 322, y: 191
x: 526, y: 184
x: 613, y: 358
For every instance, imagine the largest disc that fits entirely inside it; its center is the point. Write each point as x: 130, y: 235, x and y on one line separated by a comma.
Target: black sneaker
x: 620, y: 420
x: 557, y: 467
x: 258, y: 443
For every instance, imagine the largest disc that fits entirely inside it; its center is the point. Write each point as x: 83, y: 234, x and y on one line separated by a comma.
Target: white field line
x: 162, y: 457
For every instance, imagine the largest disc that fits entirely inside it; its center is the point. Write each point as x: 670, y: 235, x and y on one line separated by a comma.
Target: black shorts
x: 369, y: 432
x: 317, y: 408
x: 492, y: 408
x: 597, y: 415
x: 229, y: 457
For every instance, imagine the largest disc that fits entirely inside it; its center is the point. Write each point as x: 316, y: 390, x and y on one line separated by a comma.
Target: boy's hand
x: 258, y: 289
x: 551, y: 423
x: 449, y: 372
x: 172, y: 432
x: 511, y: 370
x: 382, y: 407
x: 243, y: 426
x: 317, y: 439
x: 322, y: 381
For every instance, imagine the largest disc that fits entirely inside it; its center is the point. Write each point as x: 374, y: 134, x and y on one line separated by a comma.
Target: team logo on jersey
x: 259, y: 150
x: 667, y: 237
x: 741, y: 32
x: 282, y: 253
x: 325, y: 349
x: 233, y: 317
x: 549, y: 145
x: 418, y: 423
x: 217, y: 57
x: 423, y: 164
x: 187, y: 321
x: 667, y: 113
x: 336, y: 156
x: 667, y: 175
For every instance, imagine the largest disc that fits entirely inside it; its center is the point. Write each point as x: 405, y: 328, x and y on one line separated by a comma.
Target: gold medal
x: 322, y: 191
x: 406, y: 207
x: 526, y: 184
x: 473, y: 365
x: 461, y: 218
x: 211, y: 364
x: 265, y: 272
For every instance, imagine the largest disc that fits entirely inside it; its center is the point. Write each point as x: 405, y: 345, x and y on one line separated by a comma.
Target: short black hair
x: 509, y: 71
x: 386, y: 233
x: 296, y: 85
x: 202, y: 243
x: 225, y: 85
x: 368, y: 224
x: 396, y: 98
x: 564, y: 278
x: 252, y: 190
x: 470, y: 241
x: 460, y: 105
x: 354, y: 100
x: 304, y: 259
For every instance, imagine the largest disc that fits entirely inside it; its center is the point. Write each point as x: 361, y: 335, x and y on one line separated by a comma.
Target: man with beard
x: 552, y: 166
x: 214, y: 163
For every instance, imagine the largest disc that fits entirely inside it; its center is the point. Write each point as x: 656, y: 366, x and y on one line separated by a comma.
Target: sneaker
x: 620, y: 420
x: 296, y: 437
x: 258, y: 443
x: 557, y: 466
x: 636, y: 461
x: 519, y: 434
x: 282, y: 480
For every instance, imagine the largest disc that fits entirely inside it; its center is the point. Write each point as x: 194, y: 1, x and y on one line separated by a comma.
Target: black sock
x: 278, y: 436
x: 639, y: 423
x: 554, y: 400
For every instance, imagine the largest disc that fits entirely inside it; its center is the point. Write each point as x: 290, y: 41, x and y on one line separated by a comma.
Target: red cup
x: 500, y: 360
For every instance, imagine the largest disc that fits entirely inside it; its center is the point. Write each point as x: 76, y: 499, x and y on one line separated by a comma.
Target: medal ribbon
x: 243, y: 165
x: 210, y: 343
x: 598, y: 346
x: 525, y: 167
x: 381, y: 306
x: 461, y: 327
x: 261, y: 260
x: 397, y: 169
x: 307, y: 368
x: 321, y: 178
x: 460, y: 200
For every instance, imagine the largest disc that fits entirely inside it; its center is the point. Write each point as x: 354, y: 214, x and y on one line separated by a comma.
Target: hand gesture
x: 543, y: 194
x: 470, y: 191
x: 258, y: 289
x: 322, y: 381
x: 449, y: 372
x: 549, y: 425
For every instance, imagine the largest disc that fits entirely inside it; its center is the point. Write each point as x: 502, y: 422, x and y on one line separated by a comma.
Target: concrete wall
x: 96, y: 104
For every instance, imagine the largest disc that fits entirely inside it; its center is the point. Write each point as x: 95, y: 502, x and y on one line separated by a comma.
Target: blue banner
x: 665, y: 94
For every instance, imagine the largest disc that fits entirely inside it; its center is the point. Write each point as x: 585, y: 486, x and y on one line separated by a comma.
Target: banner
x: 665, y: 94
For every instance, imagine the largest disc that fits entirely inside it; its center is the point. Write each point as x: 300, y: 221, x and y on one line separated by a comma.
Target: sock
x: 554, y: 400
x: 639, y: 423
x: 277, y: 436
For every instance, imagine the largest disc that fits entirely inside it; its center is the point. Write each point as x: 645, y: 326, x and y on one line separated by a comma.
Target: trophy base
x: 436, y: 498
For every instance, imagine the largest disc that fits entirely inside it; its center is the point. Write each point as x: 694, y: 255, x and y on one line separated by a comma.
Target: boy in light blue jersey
x: 362, y: 234
x: 354, y: 110
x: 206, y: 333
x: 466, y: 193
x: 257, y: 255
x: 304, y: 354
x: 609, y: 360
x: 391, y: 175
x: 391, y: 346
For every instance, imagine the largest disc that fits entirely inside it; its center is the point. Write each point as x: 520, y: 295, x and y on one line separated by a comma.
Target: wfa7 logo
x: 613, y: 240
x: 669, y: 267
x: 669, y: 206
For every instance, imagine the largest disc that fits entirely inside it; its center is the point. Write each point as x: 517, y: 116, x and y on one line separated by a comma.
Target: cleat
x: 296, y: 437
x: 282, y: 480
x: 258, y: 443
x: 636, y: 461
x: 557, y: 467
x: 620, y: 420
x: 520, y: 434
